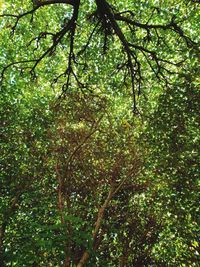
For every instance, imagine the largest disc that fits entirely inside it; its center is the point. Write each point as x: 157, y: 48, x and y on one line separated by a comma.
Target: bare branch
x: 108, y: 21
x: 13, y: 64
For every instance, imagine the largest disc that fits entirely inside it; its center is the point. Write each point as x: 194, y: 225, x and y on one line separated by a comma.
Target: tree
x: 23, y: 149
x: 147, y: 37
x: 173, y: 139
x: 84, y: 181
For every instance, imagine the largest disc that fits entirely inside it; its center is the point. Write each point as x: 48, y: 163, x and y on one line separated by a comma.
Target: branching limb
x: 110, y: 21
x: 14, y: 64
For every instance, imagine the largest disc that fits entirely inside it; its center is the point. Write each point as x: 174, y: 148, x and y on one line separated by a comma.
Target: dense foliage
x: 99, y: 133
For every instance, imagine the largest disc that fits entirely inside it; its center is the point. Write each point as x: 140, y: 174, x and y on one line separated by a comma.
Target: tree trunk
x: 67, y: 261
x: 2, y: 234
x: 98, y: 222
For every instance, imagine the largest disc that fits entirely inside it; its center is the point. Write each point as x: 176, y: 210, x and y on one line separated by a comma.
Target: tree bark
x: 2, y: 234
x: 98, y: 222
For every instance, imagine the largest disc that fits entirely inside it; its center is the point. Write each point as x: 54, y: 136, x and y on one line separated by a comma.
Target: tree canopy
x: 99, y: 133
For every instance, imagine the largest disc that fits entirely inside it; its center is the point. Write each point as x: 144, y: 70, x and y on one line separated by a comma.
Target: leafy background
x: 76, y: 155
